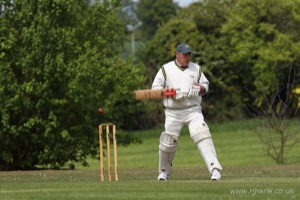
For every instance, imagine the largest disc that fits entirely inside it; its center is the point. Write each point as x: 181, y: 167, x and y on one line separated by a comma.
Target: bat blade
x: 153, y: 94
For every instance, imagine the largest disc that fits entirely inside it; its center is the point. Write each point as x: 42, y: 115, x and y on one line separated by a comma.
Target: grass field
x: 247, y: 173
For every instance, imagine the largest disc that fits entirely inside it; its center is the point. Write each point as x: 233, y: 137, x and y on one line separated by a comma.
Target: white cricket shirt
x: 181, y: 79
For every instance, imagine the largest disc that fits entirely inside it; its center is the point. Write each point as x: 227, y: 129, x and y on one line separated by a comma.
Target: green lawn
x: 236, y: 144
x: 247, y: 173
x: 279, y: 182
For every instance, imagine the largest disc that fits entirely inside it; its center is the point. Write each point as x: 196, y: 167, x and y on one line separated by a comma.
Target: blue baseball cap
x: 184, y: 48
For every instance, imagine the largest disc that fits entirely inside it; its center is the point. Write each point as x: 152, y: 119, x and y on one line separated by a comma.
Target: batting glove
x: 194, y: 91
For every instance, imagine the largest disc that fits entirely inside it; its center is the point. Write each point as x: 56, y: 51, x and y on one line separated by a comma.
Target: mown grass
x: 278, y: 182
x: 248, y: 173
x: 236, y: 144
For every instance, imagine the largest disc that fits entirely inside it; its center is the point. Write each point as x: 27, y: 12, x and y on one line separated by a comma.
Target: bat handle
x: 170, y: 93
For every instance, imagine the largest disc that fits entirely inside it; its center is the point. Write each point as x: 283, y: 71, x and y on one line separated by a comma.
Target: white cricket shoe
x: 162, y: 177
x: 215, y: 175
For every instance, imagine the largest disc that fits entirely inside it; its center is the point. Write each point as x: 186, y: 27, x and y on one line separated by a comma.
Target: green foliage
x: 153, y: 14
x: 246, y: 48
x: 264, y: 41
x: 59, y: 63
x: 122, y: 79
x: 162, y: 47
x: 128, y: 13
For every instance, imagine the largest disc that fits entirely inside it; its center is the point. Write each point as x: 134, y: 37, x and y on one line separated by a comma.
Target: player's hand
x: 194, y: 91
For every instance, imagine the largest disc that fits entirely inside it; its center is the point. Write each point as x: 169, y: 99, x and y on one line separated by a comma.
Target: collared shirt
x: 181, y: 79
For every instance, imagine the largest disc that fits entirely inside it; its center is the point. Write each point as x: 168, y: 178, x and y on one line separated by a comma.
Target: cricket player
x: 184, y: 109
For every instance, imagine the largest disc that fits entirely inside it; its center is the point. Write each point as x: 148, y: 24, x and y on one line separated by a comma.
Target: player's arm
x: 204, y: 83
x: 159, y: 81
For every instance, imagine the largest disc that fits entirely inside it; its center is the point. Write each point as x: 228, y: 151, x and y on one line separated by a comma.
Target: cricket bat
x: 153, y: 94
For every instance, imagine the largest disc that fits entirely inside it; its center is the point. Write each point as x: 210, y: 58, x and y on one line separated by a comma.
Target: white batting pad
x: 199, y: 131
x: 168, y: 142
x: 165, y: 162
x: 208, y: 153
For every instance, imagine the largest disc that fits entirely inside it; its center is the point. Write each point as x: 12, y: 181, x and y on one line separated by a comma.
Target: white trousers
x: 192, y: 118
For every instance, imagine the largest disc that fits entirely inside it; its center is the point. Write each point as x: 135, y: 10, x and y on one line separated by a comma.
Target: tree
x: 152, y: 14
x: 276, y: 132
x: 265, y: 43
x: 162, y: 47
x: 59, y: 63
x: 127, y: 13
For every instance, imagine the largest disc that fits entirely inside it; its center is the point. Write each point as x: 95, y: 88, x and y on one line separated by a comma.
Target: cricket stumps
x: 110, y: 129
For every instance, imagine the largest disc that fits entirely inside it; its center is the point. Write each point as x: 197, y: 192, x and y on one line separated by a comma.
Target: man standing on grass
x: 185, y: 109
